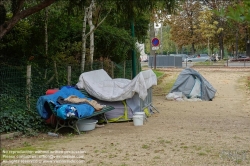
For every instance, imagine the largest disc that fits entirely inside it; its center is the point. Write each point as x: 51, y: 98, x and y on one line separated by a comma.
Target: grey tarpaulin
x: 186, y: 82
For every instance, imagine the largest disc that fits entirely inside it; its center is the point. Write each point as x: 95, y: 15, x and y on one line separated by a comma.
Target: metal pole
x: 161, y: 40
x: 174, y: 61
x: 155, y: 61
x: 133, y: 51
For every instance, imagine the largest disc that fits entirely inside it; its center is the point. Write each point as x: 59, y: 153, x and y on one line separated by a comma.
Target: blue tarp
x: 83, y: 110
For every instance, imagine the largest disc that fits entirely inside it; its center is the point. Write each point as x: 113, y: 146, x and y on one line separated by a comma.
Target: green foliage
x: 113, y: 43
x: 2, y: 14
x: 14, y: 6
x: 16, y: 44
x: 14, y: 119
x: 25, y: 43
x: 236, y: 13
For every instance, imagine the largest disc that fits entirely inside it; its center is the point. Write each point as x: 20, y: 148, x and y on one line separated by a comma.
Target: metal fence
x: 21, y: 86
x: 231, y: 64
x: 148, y: 101
x: 237, y: 64
x: 165, y: 61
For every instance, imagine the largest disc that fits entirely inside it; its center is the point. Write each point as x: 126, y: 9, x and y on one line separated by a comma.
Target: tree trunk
x: 176, y: 49
x: 221, y: 45
x: 247, y: 43
x: 46, y: 32
x: 193, y: 49
x: 84, y: 39
x: 92, y: 27
x: 208, y: 53
x: 84, y: 35
x: 237, y: 41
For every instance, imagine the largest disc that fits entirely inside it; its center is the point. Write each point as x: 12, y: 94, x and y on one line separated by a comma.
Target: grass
x: 244, y: 83
x: 157, y: 157
x: 145, y: 146
x: 202, y: 154
x: 164, y: 85
x: 158, y: 73
x: 248, y: 82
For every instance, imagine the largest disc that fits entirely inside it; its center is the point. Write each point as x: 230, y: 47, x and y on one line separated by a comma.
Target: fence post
x: 112, y: 68
x: 124, y: 68
x: 69, y: 75
x: 28, y: 84
x: 56, y: 73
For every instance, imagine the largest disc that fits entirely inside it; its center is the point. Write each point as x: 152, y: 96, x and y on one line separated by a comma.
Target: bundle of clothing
x: 68, y: 102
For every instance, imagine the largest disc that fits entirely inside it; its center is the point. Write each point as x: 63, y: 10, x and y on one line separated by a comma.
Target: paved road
x: 229, y: 64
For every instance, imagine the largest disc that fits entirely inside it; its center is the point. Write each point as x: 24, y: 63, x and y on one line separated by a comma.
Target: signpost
x: 155, y: 43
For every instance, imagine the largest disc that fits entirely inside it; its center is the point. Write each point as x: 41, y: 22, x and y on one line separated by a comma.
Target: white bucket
x: 86, y: 124
x: 141, y: 113
x: 138, y: 120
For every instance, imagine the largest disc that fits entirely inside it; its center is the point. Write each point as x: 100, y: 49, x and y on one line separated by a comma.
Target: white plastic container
x: 138, y: 120
x: 86, y: 124
x: 141, y: 113
x: 52, y: 134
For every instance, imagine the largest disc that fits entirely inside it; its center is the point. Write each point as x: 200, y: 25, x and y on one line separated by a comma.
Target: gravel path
x: 183, y: 133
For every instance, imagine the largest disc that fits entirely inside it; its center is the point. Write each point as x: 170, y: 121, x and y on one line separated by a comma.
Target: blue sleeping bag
x: 44, y: 111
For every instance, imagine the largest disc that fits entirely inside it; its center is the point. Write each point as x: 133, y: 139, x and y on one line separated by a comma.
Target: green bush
x: 13, y: 118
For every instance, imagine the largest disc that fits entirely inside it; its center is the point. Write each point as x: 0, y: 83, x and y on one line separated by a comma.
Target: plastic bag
x: 170, y: 96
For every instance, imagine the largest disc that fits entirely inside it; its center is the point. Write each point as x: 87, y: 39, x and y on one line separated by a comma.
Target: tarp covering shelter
x: 123, y: 94
x: 100, y: 85
x: 192, y: 84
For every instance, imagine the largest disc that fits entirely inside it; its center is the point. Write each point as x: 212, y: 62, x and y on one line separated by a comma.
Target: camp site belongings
x: 126, y: 96
x: 68, y: 113
x: 98, y: 94
x: 190, y: 85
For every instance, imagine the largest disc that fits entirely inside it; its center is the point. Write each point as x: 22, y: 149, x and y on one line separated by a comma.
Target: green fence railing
x: 21, y: 86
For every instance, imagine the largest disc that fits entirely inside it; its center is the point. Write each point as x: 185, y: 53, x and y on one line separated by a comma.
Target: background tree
x: 184, y: 24
x: 19, y: 11
x: 219, y: 7
x: 207, y: 27
x: 64, y: 32
x: 240, y: 17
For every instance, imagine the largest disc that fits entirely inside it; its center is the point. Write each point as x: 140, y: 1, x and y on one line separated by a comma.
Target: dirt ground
x: 183, y: 133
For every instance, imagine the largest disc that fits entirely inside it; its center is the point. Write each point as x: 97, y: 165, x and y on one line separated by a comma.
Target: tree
x: 219, y: 7
x: 184, y: 24
x: 207, y: 26
x: 240, y: 16
x: 133, y: 8
x: 65, y: 30
x: 20, y: 12
x: 88, y: 17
